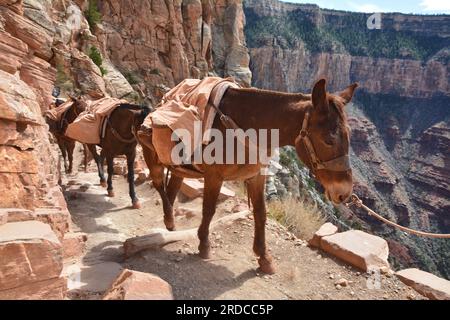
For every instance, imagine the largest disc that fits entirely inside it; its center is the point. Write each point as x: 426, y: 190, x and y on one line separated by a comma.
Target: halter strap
x: 339, y: 164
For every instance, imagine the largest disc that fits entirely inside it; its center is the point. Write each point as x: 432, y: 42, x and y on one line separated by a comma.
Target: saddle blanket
x: 56, y: 113
x: 87, y: 127
x: 188, y: 102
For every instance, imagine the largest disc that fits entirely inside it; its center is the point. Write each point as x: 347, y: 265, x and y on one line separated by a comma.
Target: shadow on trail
x: 191, y: 277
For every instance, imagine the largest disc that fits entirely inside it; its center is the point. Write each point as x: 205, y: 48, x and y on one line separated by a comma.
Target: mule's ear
x: 348, y: 93
x: 319, y: 95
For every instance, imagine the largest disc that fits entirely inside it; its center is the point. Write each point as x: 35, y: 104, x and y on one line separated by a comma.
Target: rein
x: 339, y: 164
x: 354, y: 200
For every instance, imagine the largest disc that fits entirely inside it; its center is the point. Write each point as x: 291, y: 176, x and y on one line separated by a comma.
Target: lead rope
x: 357, y: 202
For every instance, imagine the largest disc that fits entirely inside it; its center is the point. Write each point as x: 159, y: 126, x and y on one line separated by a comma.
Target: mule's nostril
x: 341, y: 198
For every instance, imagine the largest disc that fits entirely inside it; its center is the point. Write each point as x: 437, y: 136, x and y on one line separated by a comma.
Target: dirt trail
x: 302, y: 272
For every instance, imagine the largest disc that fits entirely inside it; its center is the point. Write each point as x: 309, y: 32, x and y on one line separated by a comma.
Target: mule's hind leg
x: 99, y: 162
x: 157, y: 175
x: 110, y: 164
x: 256, y: 188
x: 130, y: 177
x: 211, y: 194
x: 70, y: 145
x: 86, y: 155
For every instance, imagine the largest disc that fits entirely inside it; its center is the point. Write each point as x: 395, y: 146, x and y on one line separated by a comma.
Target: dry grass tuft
x: 302, y: 219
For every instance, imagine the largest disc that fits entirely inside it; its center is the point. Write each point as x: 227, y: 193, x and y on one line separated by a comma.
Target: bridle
x: 339, y: 164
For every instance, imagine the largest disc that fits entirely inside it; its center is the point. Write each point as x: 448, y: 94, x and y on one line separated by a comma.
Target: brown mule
x: 120, y: 139
x: 315, y: 124
x: 58, y: 129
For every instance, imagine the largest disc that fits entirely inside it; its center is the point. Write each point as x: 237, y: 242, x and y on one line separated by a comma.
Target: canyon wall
x: 163, y: 42
x: 34, y: 219
x: 400, y: 117
x: 126, y: 49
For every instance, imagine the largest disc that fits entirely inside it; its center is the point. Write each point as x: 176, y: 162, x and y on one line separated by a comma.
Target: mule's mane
x: 271, y: 93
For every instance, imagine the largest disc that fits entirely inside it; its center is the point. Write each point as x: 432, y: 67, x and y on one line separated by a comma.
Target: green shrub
x: 93, y: 16
x: 155, y: 71
x: 131, y: 78
x: 96, y: 57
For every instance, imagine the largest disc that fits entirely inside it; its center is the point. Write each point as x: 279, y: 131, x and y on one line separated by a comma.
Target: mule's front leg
x: 70, y: 149
x: 99, y: 162
x: 256, y: 187
x: 62, y: 147
x: 130, y: 176
x: 211, y: 194
x: 110, y: 163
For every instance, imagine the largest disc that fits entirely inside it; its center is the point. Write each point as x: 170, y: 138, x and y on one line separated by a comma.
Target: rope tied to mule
x: 357, y: 202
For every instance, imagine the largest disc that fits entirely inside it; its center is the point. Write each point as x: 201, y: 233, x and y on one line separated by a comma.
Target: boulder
x: 31, y: 263
x: 326, y: 229
x: 117, y: 85
x: 134, y: 285
x: 425, y: 283
x: 88, y: 76
x: 360, y: 249
x: 193, y: 188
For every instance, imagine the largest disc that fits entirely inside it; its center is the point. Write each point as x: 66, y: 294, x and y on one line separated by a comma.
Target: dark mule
x: 58, y: 129
x: 120, y: 139
x: 315, y: 124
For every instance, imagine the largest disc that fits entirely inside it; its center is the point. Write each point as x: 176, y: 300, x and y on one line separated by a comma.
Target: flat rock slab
x: 134, y: 285
x: 360, y: 249
x: 95, y: 278
x: 193, y: 188
x: 425, y: 283
x: 30, y: 252
x: 326, y: 229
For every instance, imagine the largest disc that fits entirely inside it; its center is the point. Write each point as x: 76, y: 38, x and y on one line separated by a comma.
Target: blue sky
x: 371, y: 6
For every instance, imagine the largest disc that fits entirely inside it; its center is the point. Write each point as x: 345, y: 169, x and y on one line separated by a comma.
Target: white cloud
x: 435, y: 5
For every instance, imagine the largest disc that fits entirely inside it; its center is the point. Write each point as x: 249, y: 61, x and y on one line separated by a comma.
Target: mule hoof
x: 205, y: 255
x: 170, y: 224
x: 136, y: 205
x: 204, y: 252
x: 111, y: 193
x: 266, y: 266
x: 103, y: 184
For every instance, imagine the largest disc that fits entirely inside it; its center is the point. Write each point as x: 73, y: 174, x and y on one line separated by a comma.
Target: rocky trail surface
x: 302, y: 272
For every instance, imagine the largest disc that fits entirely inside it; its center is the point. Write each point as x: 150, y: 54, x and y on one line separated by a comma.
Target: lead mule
x: 315, y: 124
